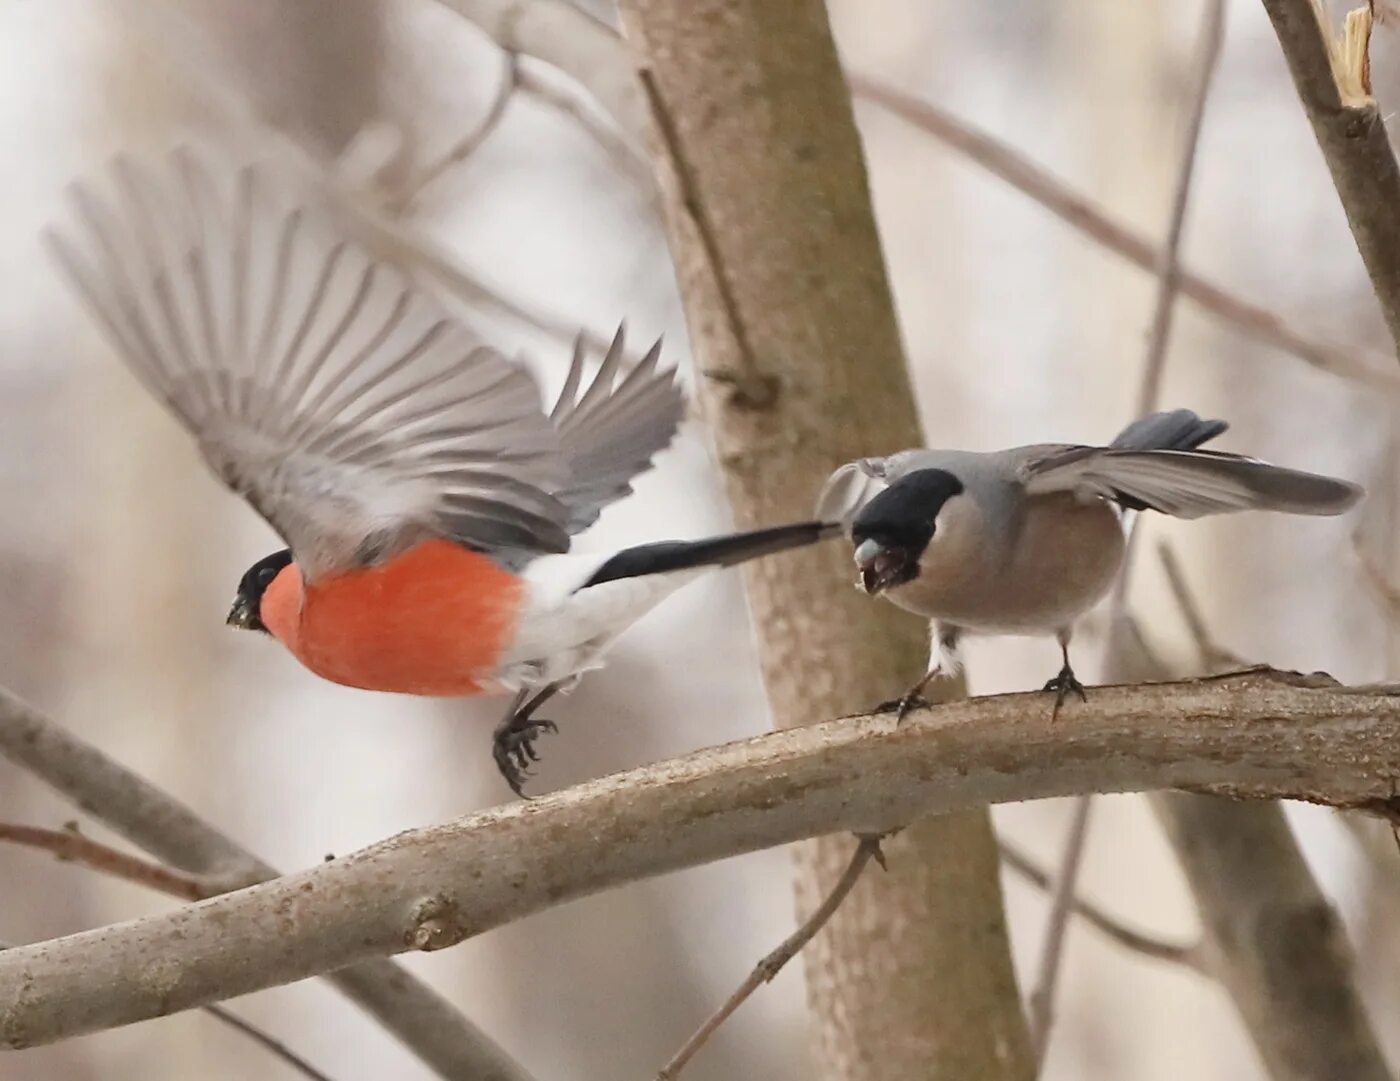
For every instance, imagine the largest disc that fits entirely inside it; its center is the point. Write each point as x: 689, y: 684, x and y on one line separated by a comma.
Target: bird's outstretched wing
x: 340, y: 401
x: 1186, y: 483
x: 611, y: 432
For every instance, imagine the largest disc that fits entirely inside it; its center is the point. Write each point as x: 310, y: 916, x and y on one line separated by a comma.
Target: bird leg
x: 1064, y: 684
x: 944, y: 659
x: 513, y: 742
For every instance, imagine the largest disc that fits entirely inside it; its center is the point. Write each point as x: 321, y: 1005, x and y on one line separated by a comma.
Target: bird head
x: 246, y: 611
x: 893, y: 529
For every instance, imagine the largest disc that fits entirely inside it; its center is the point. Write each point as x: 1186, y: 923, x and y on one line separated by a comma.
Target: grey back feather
x: 1153, y: 464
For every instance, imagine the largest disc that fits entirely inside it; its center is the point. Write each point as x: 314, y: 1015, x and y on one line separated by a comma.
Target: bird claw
x: 902, y: 705
x: 513, y: 748
x: 1064, y: 684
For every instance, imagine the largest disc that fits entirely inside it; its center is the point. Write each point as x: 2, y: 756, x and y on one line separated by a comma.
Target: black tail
x: 724, y: 551
x: 1180, y: 429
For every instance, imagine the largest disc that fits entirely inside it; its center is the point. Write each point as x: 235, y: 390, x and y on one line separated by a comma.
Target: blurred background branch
x: 418, y: 1016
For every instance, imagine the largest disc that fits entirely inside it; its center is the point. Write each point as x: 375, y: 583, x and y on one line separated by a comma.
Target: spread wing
x: 342, y: 403
x: 610, y: 433
x: 1185, y: 483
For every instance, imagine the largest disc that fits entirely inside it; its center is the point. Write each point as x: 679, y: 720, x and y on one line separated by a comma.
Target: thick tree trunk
x: 801, y: 368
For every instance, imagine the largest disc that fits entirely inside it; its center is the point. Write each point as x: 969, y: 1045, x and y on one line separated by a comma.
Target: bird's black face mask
x: 246, y: 613
x: 892, y: 530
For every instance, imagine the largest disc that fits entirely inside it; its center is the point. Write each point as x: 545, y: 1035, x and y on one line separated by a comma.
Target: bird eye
x: 265, y: 576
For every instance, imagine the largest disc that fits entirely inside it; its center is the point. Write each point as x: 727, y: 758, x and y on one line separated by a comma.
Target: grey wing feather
x: 1178, y: 429
x: 1187, y: 484
x: 610, y: 434
x: 340, y: 401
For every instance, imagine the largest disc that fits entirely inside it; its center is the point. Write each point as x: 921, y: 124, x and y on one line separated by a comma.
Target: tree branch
x: 1213, y: 656
x: 181, y: 38
x: 71, y: 846
x: 403, y: 200
x: 567, y: 38
x: 1075, y: 210
x: 589, y: 52
x: 1333, y: 79
x: 1207, y: 54
x: 1106, y: 924
x: 1255, y: 734
x: 1041, y: 1003
x: 425, y: 1022
x: 268, y: 1043
x: 867, y: 848
x: 1212, y: 35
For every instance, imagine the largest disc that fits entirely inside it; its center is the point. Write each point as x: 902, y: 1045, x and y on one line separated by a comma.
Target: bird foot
x: 513, y: 747
x: 1064, y: 684
x: 902, y: 705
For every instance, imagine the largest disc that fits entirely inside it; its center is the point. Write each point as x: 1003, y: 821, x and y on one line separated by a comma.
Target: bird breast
x: 1034, y: 570
x: 434, y: 620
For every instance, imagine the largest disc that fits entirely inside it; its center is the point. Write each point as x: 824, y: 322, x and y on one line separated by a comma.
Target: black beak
x: 881, y: 567
x: 242, y: 616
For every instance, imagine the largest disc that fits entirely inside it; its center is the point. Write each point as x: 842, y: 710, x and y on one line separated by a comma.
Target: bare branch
x: 1259, y: 734
x: 1333, y: 79
x: 1042, y: 999
x: 1101, y: 921
x: 1154, y: 368
x: 182, y: 40
x: 423, y: 1020
x: 867, y: 848
x: 1169, y: 266
x: 1386, y: 590
x: 70, y: 845
x: 268, y: 1043
x: 1262, y: 324
x: 257, y: 1035
x: 567, y: 38
x: 624, y: 154
x: 1213, y: 657
x: 403, y: 201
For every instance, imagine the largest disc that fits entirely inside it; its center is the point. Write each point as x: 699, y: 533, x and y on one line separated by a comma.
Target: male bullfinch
x: 426, y: 500
x: 1025, y: 541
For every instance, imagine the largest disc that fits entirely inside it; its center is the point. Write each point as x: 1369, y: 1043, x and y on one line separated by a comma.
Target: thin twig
x: 770, y: 966
x: 1154, y: 367
x: 1214, y: 657
x: 1387, y: 590
x: 182, y: 40
x: 426, y: 1023
x: 1102, y: 921
x: 267, y: 1042
x: 403, y: 201
x: 624, y: 154
x: 70, y: 845
x: 1042, y: 999
x: 1169, y: 264
x: 1079, y: 212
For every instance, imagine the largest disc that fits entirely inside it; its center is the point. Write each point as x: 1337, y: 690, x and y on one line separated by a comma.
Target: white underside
x: 565, y: 630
